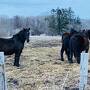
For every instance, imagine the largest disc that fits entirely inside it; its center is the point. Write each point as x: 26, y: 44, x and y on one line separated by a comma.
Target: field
x: 41, y: 67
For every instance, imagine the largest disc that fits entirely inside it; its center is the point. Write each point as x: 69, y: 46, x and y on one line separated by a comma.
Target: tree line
x: 58, y: 21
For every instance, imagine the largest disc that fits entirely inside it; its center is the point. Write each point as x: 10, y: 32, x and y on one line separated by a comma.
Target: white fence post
x: 3, y: 85
x: 83, y: 71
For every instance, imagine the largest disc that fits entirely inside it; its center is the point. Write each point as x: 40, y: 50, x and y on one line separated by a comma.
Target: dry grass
x: 41, y: 69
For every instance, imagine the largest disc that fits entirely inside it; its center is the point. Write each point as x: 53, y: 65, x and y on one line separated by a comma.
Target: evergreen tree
x: 60, y: 19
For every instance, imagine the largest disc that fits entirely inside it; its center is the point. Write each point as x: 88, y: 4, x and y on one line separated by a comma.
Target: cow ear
x: 28, y: 28
x: 24, y: 29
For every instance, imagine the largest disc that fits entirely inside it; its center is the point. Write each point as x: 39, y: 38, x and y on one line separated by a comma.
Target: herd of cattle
x: 73, y: 43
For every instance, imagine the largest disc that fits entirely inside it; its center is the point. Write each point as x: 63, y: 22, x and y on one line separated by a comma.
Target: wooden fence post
x: 3, y: 85
x: 83, y: 71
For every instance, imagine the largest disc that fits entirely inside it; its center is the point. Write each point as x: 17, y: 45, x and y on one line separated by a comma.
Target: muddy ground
x: 42, y: 69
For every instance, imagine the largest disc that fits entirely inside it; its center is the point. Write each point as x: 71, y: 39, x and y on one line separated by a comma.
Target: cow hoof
x: 16, y: 65
x: 78, y: 62
x: 62, y: 59
x: 70, y: 62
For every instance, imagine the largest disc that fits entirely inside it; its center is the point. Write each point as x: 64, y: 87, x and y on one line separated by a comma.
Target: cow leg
x: 67, y: 53
x: 78, y: 56
x: 62, y: 51
x: 87, y: 50
x: 70, y: 57
x: 17, y: 57
x: 70, y: 52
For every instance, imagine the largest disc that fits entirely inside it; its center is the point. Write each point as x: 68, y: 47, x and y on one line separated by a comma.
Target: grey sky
x: 41, y: 7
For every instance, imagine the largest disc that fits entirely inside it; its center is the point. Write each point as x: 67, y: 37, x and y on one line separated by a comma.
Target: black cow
x: 65, y: 43
x: 15, y: 44
x: 78, y: 43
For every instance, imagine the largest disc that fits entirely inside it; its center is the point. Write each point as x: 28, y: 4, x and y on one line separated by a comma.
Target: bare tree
x: 17, y: 22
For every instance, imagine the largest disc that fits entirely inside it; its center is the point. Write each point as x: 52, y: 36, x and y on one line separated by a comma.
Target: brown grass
x: 41, y: 69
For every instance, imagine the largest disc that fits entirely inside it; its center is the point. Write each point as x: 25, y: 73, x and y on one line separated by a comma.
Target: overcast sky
x: 41, y: 7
